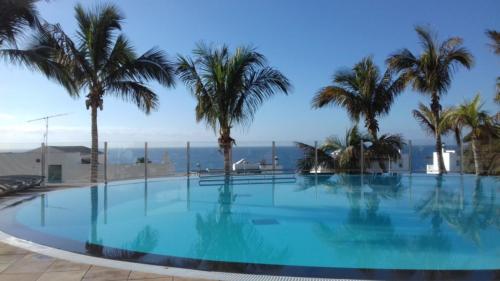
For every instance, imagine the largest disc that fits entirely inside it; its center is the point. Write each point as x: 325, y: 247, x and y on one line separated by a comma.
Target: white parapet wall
x: 73, y: 168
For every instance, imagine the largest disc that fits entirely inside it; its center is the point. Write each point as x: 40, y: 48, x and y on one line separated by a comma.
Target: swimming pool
x: 347, y: 226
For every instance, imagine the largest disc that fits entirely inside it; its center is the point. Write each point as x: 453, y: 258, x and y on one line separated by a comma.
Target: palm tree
x: 15, y: 17
x: 347, y: 151
x: 385, y: 146
x: 342, y: 154
x: 229, y: 88
x: 431, y: 72
x: 363, y: 91
x: 308, y: 161
x: 452, y: 126
x: 495, y: 40
x: 100, y: 61
x: 433, y: 126
x: 497, y: 96
x: 470, y: 114
x: 495, y: 45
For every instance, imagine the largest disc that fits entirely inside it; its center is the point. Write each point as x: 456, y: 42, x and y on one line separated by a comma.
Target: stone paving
x: 20, y: 265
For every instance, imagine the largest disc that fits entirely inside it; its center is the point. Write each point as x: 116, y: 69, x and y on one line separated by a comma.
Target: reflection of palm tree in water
x: 226, y: 197
x: 143, y: 242
x: 451, y: 207
x: 482, y: 214
x: 386, y: 187
x: 435, y: 206
x: 365, y: 229
x: 94, y: 246
x: 224, y: 236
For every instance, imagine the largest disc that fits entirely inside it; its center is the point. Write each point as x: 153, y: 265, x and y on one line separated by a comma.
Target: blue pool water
x: 371, y: 222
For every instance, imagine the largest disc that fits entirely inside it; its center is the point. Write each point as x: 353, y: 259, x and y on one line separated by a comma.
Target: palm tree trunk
x: 381, y: 160
x: 226, y: 142
x: 475, y: 153
x: 381, y: 163
x: 436, y: 108
x: 439, y: 151
x: 227, y: 147
x: 95, y: 146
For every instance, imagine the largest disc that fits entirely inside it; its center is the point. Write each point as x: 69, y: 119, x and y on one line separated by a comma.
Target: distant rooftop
x: 69, y: 149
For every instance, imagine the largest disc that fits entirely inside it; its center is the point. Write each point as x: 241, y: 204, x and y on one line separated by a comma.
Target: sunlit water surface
x: 384, y: 222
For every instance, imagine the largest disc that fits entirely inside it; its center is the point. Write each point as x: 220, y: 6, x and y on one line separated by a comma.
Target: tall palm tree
x: 495, y: 45
x: 100, y: 61
x: 471, y: 115
x: 363, y: 91
x: 433, y: 126
x: 15, y: 17
x: 452, y: 126
x: 229, y: 88
x: 431, y: 72
x: 497, y: 96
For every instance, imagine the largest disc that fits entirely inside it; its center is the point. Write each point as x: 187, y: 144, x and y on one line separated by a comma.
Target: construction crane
x: 46, y: 119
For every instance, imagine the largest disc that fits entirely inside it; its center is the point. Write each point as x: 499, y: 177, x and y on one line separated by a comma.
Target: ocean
x: 212, y: 158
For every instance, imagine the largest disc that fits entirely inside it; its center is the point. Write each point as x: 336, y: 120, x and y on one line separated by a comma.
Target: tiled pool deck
x: 17, y: 264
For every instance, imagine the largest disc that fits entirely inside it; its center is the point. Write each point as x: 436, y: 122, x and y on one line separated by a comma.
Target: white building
x: 71, y: 165
x: 451, y: 162
x: 63, y: 163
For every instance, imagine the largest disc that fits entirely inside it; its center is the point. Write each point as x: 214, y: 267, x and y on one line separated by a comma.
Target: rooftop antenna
x: 46, y: 118
x: 45, y: 161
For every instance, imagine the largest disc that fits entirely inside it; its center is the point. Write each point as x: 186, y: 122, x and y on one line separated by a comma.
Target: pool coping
x: 147, y: 268
x: 128, y: 265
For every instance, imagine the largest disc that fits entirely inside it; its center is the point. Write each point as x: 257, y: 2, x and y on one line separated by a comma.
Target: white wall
x: 73, y: 171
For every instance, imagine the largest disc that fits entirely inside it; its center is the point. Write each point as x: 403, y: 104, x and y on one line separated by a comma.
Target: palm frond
x: 386, y: 145
x: 307, y: 162
x: 96, y: 32
x: 333, y: 95
x: 495, y: 40
x: 51, y: 53
x: 229, y: 87
x: 153, y: 65
x: 136, y: 92
x: 425, y: 118
x: 363, y: 92
x: 428, y: 42
x: 431, y: 72
x: 15, y: 17
x: 471, y: 115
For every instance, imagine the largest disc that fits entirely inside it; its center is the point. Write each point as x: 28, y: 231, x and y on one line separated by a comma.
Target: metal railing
x: 69, y: 163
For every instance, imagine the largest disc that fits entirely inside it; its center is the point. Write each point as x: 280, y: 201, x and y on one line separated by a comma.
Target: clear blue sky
x: 306, y: 40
